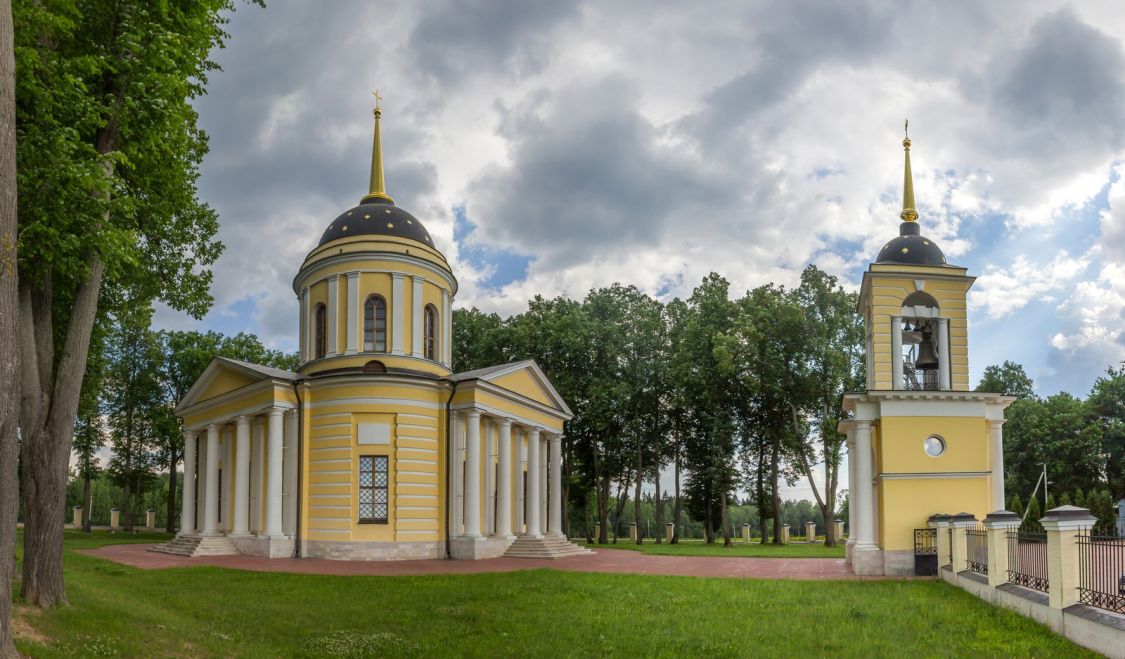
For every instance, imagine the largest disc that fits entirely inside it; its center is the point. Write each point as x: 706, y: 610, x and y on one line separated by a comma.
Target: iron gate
x: 925, y: 552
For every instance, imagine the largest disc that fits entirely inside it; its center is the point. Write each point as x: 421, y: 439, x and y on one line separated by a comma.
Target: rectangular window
x: 373, y: 479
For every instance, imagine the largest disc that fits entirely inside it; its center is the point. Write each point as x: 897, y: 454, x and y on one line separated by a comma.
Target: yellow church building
x: 374, y: 449
x: 919, y: 441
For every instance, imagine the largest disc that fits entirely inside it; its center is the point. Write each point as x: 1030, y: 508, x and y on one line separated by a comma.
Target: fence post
x: 785, y: 533
x: 114, y: 518
x: 960, y: 523
x: 150, y: 519
x: 78, y: 516
x: 746, y: 533
x: 633, y: 531
x: 810, y: 532
x: 1062, y: 525
x: 998, y: 524
x: 839, y: 530
x: 940, y: 522
x: 669, y: 531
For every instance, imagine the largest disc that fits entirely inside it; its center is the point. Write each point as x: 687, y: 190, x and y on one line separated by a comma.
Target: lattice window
x: 373, y: 482
x: 375, y: 324
x: 429, y: 338
x: 320, y: 345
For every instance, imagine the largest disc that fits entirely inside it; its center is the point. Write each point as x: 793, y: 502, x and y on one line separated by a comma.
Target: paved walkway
x: 605, y: 560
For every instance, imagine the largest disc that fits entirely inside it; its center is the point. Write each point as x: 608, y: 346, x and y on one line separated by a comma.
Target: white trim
x: 353, y: 314
x: 302, y: 325
x: 446, y: 351
x: 935, y: 474
x: 246, y: 411
x: 416, y: 306
x: 367, y: 257
x: 538, y: 375
x: 373, y: 401
x: 331, y: 347
x: 520, y: 399
x: 521, y: 420
x: 398, y: 313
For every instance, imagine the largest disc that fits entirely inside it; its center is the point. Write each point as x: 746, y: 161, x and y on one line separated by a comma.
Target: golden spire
x: 908, y: 213
x: 378, y: 185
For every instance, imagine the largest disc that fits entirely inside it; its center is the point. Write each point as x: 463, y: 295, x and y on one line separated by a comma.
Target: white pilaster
x: 187, y: 513
x: 851, y: 489
x: 996, y: 432
x: 416, y: 315
x: 943, y: 358
x: 211, y: 493
x: 504, y: 484
x: 353, y: 314
x: 521, y: 476
x: 305, y: 325
x: 865, y: 538
x: 488, y: 430
x: 273, y: 473
x: 458, y: 467
x: 257, y: 429
x: 542, y: 483
x: 333, y: 312
x: 896, y: 353
x: 554, y: 517
x: 241, y: 476
x: 533, y: 483
x: 289, y: 469
x: 398, y: 314
x: 446, y: 348
x: 472, y: 476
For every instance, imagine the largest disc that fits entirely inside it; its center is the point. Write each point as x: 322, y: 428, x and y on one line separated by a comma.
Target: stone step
x: 545, y: 547
x: 194, y: 545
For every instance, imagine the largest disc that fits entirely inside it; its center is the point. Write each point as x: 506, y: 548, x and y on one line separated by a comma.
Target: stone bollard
x: 150, y: 519
x: 669, y: 531
x: 999, y: 524
x: 115, y: 518
x: 633, y: 531
x: 785, y: 533
x: 1062, y: 525
x: 746, y: 533
x: 839, y: 528
x: 810, y: 532
x: 597, y: 531
x: 960, y: 523
x: 78, y: 517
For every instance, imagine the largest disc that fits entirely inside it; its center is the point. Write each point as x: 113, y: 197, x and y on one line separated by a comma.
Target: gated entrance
x: 925, y: 552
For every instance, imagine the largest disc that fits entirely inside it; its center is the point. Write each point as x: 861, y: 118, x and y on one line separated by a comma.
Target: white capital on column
x: 554, y: 517
x: 273, y: 473
x: 996, y: 429
x: 896, y: 353
x: 211, y: 495
x: 533, y: 483
x: 187, y: 514
x: 863, y: 497
x: 472, y: 476
x: 504, y: 482
x: 241, y: 476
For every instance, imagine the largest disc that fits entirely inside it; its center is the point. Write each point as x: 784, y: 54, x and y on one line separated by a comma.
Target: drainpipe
x: 448, y: 467
x: 300, y: 470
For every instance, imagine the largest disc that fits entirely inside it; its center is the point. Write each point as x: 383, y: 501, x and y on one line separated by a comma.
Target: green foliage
x: 1009, y: 379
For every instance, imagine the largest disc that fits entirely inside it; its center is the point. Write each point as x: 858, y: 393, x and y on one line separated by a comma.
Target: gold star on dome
x: 410, y: 221
x: 905, y: 250
x: 345, y: 227
x: 387, y: 211
x: 925, y: 242
x: 366, y: 216
x: 349, y: 213
x: 390, y: 225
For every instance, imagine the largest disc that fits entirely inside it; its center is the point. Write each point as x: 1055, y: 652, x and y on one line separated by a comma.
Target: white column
x: 533, y: 483
x: 273, y: 473
x: 256, y: 473
x: 472, y: 477
x: 446, y: 328
x: 457, y: 464
x: 996, y: 430
x: 187, y: 514
x: 542, y: 483
x: 304, y: 325
x: 865, y: 538
x: 851, y: 488
x: 554, y: 517
x: 333, y: 312
x: 521, y: 490
x: 504, y: 484
x: 353, y: 314
x: 488, y: 431
x: 211, y: 494
x: 241, y: 476
x: 416, y: 304
x: 289, y: 468
x: 896, y: 353
x: 398, y: 311
x: 943, y: 357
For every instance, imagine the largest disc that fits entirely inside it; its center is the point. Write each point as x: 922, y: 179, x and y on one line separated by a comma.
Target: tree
x: 1009, y: 379
x: 1106, y: 407
x: 109, y: 155
x: 9, y: 322
x: 479, y: 340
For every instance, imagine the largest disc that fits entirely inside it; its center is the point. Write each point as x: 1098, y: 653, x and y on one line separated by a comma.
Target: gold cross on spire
x: 906, y: 129
x: 377, y: 98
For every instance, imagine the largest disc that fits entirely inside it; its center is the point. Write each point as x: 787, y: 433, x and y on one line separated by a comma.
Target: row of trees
x: 735, y: 395
x: 99, y: 144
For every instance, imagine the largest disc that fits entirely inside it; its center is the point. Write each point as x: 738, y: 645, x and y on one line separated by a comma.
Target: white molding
x: 333, y: 310
x: 306, y: 277
x: 398, y: 311
x: 416, y: 315
x: 373, y: 401
x: 495, y: 411
x: 353, y: 314
x: 932, y: 475
x: 232, y: 396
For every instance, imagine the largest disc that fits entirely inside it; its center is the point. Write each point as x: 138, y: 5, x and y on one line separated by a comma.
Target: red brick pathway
x: 605, y: 560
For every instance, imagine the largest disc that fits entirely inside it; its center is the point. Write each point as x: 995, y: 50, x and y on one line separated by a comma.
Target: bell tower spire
x: 908, y: 213
x: 378, y: 190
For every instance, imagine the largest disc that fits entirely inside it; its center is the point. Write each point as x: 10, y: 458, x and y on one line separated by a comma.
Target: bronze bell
x: 927, y: 357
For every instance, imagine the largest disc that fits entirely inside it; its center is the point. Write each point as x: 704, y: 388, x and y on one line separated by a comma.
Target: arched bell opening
x: 920, y: 343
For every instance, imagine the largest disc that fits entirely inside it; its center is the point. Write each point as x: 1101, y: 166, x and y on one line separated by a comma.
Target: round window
x: 934, y: 446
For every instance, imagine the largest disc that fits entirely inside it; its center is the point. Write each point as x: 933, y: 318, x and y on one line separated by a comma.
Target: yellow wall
x: 524, y: 384
x: 907, y: 505
x: 224, y: 381
x: 966, y: 440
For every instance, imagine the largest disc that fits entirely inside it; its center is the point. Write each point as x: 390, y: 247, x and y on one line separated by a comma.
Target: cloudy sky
x: 554, y: 147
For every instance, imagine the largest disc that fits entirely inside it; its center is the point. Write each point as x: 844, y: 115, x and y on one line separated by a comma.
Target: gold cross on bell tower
x: 378, y: 98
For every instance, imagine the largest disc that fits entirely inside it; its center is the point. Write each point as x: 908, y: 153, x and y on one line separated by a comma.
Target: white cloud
x: 1000, y: 291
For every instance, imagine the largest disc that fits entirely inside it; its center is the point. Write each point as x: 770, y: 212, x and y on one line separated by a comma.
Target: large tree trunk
x: 87, y: 501
x: 170, y: 524
x: 676, y: 507
x: 776, y: 497
x: 619, y: 509
x: 725, y: 522
x: 637, y: 494
x: 603, y: 511
x: 565, y: 487
x: 659, y: 512
x: 9, y: 332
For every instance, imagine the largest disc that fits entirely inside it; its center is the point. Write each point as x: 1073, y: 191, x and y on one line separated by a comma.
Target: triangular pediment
x: 523, y: 378
x: 224, y: 375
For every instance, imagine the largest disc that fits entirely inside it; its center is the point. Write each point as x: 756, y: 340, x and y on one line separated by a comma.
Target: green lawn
x: 206, y: 611
x: 739, y: 548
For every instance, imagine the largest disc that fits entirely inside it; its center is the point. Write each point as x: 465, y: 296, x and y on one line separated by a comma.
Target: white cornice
x: 308, y: 271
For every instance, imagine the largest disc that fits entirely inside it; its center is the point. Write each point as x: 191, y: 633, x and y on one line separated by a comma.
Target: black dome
x: 376, y: 217
x: 911, y: 248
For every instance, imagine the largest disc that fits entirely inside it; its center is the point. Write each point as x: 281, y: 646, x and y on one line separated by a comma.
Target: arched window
x: 429, y: 332
x: 320, y: 347
x: 375, y: 324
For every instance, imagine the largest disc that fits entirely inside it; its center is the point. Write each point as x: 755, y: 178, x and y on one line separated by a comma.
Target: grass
x: 207, y: 611
x: 739, y: 548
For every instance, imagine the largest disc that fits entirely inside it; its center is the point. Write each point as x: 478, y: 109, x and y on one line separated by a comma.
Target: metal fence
x: 1027, y: 560
x: 1101, y: 571
x: 977, y: 550
x: 948, y: 548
